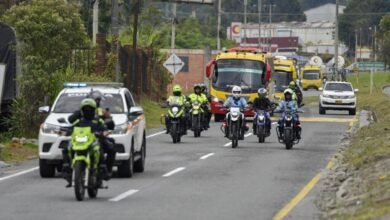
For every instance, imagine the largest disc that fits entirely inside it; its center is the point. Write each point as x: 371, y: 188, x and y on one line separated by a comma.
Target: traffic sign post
x: 173, y: 64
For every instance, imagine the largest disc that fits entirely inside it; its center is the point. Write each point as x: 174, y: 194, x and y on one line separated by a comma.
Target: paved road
x: 253, y: 181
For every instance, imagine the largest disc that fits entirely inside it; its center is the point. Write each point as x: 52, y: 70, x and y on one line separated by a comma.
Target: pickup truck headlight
x: 50, y: 129
x: 351, y: 96
x: 325, y: 96
x: 120, y: 129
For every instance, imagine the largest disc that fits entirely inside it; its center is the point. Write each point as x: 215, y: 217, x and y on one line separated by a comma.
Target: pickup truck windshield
x: 70, y: 102
x: 338, y: 87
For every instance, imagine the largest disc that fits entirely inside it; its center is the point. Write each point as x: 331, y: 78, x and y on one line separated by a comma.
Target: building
x: 312, y: 36
x: 325, y: 12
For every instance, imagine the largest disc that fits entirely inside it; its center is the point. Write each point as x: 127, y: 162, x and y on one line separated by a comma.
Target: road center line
x: 206, y: 156
x: 174, y: 171
x: 230, y: 143
x: 155, y: 134
x: 123, y: 195
x: 19, y: 173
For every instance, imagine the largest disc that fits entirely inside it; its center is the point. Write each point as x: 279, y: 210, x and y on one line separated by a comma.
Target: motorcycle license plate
x: 338, y: 101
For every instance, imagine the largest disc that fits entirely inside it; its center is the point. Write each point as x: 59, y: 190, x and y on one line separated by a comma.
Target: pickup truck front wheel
x: 126, y: 168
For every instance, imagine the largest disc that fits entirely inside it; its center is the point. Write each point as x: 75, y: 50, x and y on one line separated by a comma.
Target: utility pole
x: 219, y: 25
x: 95, y: 21
x: 245, y: 27
x: 135, y: 30
x: 374, y: 50
x: 270, y: 29
x: 336, y: 43
x: 259, y: 11
x: 173, y: 26
x: 115, y: 34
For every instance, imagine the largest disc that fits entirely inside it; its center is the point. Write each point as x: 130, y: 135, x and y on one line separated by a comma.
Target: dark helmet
x: 97, y: 96
x: 203, y: 87
x: 197, y: 89
x: 88, y: 108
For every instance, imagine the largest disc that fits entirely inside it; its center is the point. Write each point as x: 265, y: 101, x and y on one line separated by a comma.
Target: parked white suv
x: 129, y: 132
x: 338, y: 96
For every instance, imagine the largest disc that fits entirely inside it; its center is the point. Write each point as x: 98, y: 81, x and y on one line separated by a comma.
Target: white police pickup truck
x: 129, y: 132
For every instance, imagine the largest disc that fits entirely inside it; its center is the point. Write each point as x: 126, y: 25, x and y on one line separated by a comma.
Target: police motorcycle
x: 234, y: 125
x: 85, y: 154
x: 261, y: 125
x: 287, y: 131
x: 196, y: 118
x: 176, y: 115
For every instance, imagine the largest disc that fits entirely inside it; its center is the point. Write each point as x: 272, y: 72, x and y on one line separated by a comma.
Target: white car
x: 129, y: 132
x: 338, y: 96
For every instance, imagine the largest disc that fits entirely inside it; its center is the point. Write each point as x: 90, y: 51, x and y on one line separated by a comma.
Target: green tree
x: 384, y: 38
x: 358, y: 17
x: 47, y: 32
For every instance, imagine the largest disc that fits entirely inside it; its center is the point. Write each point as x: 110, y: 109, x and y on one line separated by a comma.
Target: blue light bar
x: 74, y: 84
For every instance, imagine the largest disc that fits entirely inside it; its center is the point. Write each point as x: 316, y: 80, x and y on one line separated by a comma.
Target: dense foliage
x: 360, y: 16
x: 48, y: 31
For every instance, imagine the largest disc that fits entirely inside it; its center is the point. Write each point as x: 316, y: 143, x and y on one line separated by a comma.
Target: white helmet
x: 262, y: 92
x: 236, y: 91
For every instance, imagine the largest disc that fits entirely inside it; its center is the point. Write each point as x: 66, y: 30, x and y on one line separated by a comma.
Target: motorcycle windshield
x: 282, y: 79
x: 312, y: 74
x: 247, y: 74
x: 82, y: 137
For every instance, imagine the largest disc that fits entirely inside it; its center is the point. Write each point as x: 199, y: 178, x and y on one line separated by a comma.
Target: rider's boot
x: 103, y: 172
x: 67, y: 173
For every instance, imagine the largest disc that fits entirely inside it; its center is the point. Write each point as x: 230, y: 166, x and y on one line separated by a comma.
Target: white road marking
x: 173, y: 171
x: 274, y: 123
x: 155, y: 134
x: 123, y: 195
x: 19, y: 173
x: 230, y: 143
x: 206, y: 156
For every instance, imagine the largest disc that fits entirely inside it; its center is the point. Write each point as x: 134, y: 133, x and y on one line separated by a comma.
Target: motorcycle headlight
x: 288, y: 118
x: 120, y: 129
x: 261, y: 117
x: 50, y: 129
x: 175, y: 110
x: 234, y: 114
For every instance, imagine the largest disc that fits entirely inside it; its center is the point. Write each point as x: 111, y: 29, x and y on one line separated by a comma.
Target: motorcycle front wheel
x: 235, y: 134
x: 79, y: 180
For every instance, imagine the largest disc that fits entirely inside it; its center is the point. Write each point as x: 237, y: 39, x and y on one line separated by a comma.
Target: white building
x: 313, y: 36
x: 325, y: 12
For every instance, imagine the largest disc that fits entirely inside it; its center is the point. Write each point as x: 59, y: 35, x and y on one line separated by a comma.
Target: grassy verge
x: 11, y: 153
x: 369, y: 152
x: 152, y: 112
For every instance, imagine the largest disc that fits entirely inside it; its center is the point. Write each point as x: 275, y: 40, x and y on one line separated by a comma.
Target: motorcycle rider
x: 262, y: 103
x: 289, y: 104
x: 88, y: 119
x: 178, y: 99
x: 202, y: 99
x: 206, y: 107
x: 107, y: 144
x: 297, y: 93
x: 236, y: 101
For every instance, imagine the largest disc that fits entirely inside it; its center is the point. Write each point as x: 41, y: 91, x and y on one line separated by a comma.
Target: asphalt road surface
x: 199, y: 178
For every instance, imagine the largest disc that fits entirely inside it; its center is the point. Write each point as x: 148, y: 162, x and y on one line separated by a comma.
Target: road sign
x: 174, y: 64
